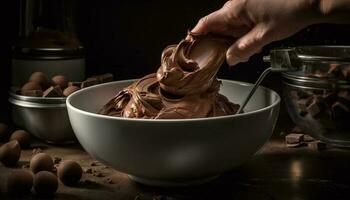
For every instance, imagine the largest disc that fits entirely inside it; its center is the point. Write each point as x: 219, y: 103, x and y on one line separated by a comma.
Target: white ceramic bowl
x: 173, y: 152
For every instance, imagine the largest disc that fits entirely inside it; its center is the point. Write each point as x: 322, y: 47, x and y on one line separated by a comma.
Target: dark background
x: 127, y: 38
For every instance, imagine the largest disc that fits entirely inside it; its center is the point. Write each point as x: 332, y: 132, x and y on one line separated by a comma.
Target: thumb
x: 249, y: 44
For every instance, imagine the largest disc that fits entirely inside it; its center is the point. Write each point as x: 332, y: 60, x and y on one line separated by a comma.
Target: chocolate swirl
x: 185, y: 85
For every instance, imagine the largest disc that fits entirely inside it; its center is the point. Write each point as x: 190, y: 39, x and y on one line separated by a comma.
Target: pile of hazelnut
x: 44, y: 171
x: 39, y: 85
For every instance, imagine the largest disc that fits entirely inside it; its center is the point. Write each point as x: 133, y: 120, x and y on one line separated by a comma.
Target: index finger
x: 209, y: 23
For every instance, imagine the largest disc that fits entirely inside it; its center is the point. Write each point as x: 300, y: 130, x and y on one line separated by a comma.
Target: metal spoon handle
x: 252, y: 91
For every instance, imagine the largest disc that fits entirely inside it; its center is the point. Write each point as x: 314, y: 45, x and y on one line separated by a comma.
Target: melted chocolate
x: 185, y: 85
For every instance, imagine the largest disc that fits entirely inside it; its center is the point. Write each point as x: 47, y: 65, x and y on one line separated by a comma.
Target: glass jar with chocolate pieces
x: 318, y: 94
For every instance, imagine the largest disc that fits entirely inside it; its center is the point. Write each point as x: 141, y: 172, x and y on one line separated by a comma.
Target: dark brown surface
x: 276, y: 172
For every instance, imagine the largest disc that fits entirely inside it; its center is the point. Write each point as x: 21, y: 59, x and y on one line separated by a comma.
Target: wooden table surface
x: 276, y: 172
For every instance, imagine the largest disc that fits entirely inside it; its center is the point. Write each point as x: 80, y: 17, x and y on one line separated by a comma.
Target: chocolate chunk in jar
x: 317, y: 146
x: 77, y: 84
x: 333, y: 68
x: 308, y: 138
x: 318, y: 74
x: 89, y: 82
x: 334, y: 71
x: 104, y: 78
x: 303, y: 105
x: 69, y: 90
x: 295, y: 145
x: 53, y: 91
x: 313, y: 109
x: 296, y: 129
x: 337, y: 71
x: 329, y: 98
x: 294, y: 138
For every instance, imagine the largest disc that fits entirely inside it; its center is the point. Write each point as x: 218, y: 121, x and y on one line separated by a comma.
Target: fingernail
x: 231, y: 60
x: 242, y: 45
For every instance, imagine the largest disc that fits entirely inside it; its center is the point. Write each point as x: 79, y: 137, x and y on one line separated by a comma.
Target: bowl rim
x: 70, y: 106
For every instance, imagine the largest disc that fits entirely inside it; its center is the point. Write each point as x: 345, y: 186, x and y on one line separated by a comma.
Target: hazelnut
x: 40, y: 78
x: 30, y: 86
x: 60, y: 80
x: 41, y: 162
x: 45, y: 183
x: 10, y: 153
x: 19, y: 182
x: 23, y: 137
x: 69, y: 172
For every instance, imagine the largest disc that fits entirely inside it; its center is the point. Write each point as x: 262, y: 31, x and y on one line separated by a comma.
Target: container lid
x: 313, y: 66
x: 48, y: 53
x: 317, y: 53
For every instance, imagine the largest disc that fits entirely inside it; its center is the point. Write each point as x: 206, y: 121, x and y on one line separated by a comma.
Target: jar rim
x: 320, y: 53
x: 315, y: 82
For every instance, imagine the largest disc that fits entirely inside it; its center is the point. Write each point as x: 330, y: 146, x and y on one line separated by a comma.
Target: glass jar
x: 317, y: 95
x: 47, y: 41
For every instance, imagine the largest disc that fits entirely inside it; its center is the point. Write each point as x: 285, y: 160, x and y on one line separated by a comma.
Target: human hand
x: 256, y: 23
